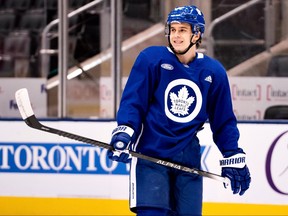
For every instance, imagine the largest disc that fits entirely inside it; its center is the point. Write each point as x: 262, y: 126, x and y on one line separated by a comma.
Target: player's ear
x: 196, y: 37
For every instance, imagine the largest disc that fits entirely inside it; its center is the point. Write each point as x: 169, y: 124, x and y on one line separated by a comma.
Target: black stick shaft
x: 33, y: 122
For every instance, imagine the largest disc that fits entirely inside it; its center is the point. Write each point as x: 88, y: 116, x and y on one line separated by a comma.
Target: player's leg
x: 188, y: 187
x: 149, y: 188
x: 188, y: 195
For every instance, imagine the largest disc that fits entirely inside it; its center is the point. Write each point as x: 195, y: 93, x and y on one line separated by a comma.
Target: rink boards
x: 42, y: 173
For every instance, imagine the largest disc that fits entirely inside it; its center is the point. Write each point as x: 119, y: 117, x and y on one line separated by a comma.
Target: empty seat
x: 15, y: 59
x: 278, y: 66
x: 77, y: 3
x: 7, y: 21
x: 137, y: 8
x: 276, y: 112
x: 45, y: 4
x: 17, y: 45
x: 33, y: 21
x: 2, y: 39
x: 6, y: 68
x: 16, y: 4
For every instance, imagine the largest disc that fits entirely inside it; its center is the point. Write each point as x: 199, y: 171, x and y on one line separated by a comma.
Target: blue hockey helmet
x: 188, y: 14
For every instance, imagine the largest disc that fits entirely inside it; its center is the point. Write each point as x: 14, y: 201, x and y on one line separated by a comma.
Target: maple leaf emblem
x: 181, y: 102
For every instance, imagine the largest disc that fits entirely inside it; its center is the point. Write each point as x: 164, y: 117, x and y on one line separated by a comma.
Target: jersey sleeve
x: 222, y: 120
x: 137, y: 93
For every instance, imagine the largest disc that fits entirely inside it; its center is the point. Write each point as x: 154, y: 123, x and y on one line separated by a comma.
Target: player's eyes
x: 180, y: 30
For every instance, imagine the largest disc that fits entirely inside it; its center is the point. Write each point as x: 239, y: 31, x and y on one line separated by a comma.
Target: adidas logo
x: 208, y: 79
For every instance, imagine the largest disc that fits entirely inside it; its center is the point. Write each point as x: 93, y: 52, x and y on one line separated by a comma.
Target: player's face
x: 180, y: 36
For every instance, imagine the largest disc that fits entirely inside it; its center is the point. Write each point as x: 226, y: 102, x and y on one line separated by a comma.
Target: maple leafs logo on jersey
x: 181, y: 102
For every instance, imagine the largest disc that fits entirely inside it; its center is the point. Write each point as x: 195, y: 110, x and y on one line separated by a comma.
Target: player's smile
x: 177, y: 41
x: 177, y: 44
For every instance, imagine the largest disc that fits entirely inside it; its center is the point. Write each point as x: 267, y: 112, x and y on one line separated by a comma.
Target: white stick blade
x: 23, y: 102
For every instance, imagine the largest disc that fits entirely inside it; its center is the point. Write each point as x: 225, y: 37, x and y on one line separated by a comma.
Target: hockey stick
x: 27, y: 113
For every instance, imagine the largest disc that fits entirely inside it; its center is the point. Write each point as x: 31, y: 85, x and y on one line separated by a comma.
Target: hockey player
x: 169, y: 95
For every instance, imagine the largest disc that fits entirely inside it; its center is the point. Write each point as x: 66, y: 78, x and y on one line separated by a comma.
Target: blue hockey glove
x: 121, y: 140
x: 234, y: 167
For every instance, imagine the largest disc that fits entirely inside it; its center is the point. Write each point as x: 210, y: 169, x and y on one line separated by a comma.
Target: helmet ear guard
x: 167, y: 30
x: 196, y: 29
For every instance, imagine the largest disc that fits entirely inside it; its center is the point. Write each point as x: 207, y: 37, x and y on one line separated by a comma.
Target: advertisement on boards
x: 252, y: 96
x: 36, y: 88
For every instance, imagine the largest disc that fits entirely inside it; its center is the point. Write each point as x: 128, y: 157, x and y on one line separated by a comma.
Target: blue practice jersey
x: 166, y: 102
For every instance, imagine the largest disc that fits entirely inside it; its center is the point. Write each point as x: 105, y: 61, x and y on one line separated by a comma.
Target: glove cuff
x: 235, y: 161
x: 123, y: 128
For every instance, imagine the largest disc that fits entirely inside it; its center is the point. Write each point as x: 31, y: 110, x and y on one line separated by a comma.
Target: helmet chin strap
x: 182, y: 52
